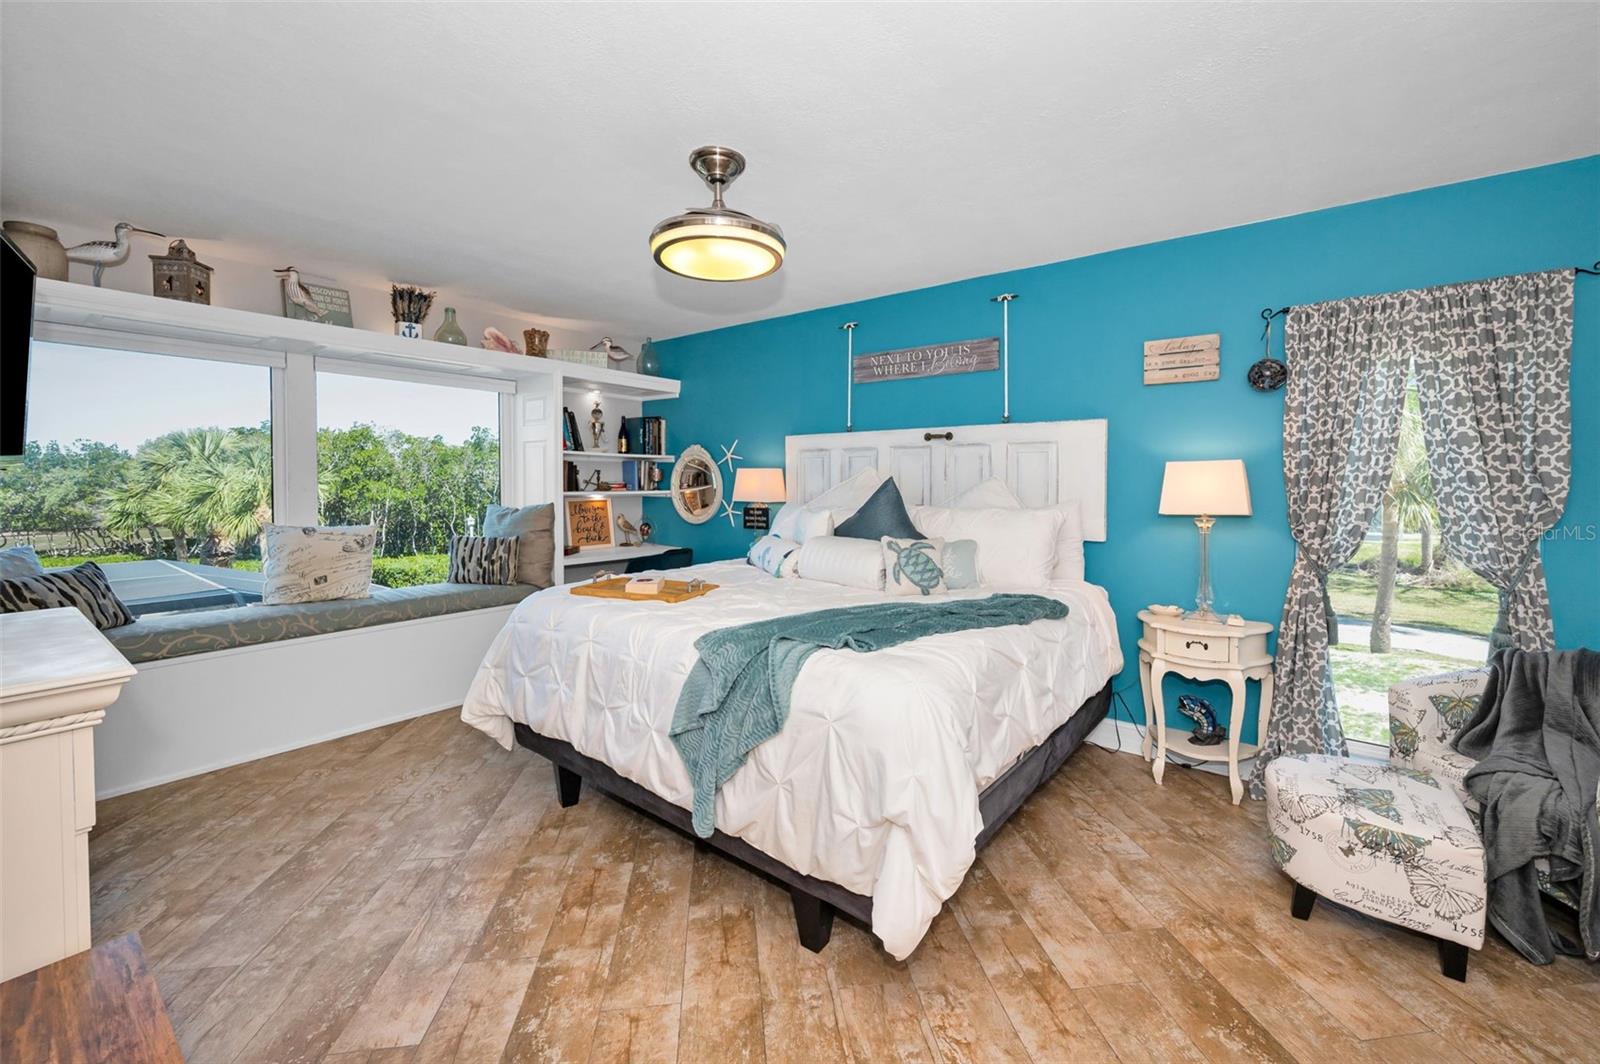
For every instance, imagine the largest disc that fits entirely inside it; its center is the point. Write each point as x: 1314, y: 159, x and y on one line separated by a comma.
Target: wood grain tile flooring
x: 414, y: 895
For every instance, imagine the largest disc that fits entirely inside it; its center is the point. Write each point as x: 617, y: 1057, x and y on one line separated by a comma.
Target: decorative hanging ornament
x: 1268, y: 374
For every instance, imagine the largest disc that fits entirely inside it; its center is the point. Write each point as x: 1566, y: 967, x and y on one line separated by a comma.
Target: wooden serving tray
x: 671, y: 590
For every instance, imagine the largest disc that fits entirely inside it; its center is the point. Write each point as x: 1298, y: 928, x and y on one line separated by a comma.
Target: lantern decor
x: 180, y: 275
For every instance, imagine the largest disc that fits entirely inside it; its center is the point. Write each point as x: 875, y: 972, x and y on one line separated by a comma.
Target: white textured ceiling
x: 524, y: 151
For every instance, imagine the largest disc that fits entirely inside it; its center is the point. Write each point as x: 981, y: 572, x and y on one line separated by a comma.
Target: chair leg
x: 1453, y: 960
x: 1304, y: 899
x: 813, y: 919
x: 568, y: 784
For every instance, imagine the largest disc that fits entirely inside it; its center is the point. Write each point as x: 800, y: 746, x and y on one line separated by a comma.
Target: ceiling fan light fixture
x: 715, y: 243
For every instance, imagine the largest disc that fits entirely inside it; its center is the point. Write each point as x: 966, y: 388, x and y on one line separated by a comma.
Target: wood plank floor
x: 415, y: 895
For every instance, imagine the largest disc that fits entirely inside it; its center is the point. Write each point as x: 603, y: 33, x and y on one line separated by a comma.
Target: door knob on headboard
x: 928, y: 437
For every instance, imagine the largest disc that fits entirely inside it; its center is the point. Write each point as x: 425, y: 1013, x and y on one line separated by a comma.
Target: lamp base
x: 1209, y: 616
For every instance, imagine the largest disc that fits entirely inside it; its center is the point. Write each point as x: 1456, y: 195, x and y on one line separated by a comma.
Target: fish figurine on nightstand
x: 1207, y: 732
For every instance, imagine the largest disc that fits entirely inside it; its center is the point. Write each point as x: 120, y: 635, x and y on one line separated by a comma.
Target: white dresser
x: 57, y: 676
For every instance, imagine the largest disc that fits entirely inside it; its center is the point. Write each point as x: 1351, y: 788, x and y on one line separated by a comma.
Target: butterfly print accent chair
x: 1388, y: 840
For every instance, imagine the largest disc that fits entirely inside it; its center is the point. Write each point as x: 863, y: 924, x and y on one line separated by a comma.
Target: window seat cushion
x: 173, y: 635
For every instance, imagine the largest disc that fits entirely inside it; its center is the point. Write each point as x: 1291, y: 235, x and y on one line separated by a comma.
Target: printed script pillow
x: 19, y: 562
x: 774, y: 556
x: 311, y: 563
x: 883, y: 514
x: 913, y: 566
x: 83, y: 587
x: 960, y: 561
x: 484, y: 559
x: 535, y: 530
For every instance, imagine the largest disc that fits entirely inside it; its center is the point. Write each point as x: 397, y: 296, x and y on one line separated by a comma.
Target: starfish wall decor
x: 730, y: 455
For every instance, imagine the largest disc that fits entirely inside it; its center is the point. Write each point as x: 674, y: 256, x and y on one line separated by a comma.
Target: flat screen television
x: 16, y: 336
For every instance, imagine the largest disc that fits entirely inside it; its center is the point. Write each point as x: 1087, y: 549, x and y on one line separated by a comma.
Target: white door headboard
x: 1043, y: 462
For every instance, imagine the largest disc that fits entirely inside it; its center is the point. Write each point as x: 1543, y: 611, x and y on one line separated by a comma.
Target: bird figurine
x: 630, y: 534
x: 298, y: 293
x: 103, y: 253
x: 614, y: 351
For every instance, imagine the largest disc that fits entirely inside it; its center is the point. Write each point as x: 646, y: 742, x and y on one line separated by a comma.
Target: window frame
x: 292, y: 386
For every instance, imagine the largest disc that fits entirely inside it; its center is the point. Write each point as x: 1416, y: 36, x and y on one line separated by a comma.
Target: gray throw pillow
x: 960, y: 561
x: 534, y: 528
x: 83, y: 587
x: 483, y: 560
x: 17, y: 563
x: 883, y: 514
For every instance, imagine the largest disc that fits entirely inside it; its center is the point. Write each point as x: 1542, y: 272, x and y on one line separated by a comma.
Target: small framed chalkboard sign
x: 588, y: 523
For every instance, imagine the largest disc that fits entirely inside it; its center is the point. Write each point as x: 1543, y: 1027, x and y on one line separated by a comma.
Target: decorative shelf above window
x: 70, y: 309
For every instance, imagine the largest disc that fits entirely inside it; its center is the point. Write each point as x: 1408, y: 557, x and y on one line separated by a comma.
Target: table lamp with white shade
x: 756, y: 487
x: 1205, y: 491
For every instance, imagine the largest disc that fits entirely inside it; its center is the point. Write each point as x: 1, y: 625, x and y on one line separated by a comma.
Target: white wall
x: 243, y: 279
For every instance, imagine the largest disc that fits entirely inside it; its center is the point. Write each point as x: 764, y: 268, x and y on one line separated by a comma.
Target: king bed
x: 893, y: 767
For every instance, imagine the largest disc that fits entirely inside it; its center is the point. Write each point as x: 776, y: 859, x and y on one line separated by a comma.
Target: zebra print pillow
x: 82, y: 586
x: 483, y: 559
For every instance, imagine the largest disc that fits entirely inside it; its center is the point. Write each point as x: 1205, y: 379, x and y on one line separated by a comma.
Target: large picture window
x: 420, y: 461
x: 134, y: 456
x: 1406, y: 607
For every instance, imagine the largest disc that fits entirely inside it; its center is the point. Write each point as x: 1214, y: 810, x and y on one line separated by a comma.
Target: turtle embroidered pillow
x: 913, y: 566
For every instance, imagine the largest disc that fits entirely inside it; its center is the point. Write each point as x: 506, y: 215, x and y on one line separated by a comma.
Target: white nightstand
x: 1203, y: 650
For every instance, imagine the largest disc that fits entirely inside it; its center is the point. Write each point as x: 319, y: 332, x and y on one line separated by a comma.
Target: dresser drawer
x: 1194, y: 647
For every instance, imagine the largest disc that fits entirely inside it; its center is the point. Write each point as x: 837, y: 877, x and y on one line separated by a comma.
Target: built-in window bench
x: 218, y: 687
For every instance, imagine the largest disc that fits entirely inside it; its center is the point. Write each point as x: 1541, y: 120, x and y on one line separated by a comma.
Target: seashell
x: 495, y: 340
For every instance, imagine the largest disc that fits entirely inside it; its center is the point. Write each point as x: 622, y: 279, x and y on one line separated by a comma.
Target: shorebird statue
x: 103, y: 253
x: 614, y: 351
x: 298, y: 293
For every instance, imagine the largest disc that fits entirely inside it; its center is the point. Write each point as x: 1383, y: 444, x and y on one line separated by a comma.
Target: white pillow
x: 773, y: 556
x: 1016, y: 548
x: 991, y: 494
x: 913, y: 566
x: 309, y: 563
x: 994, y: 494
x: 841, y: 560
x: 840, y: 501
x: 813, y: 523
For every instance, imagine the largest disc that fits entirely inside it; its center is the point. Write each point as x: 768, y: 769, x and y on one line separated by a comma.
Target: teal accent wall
x: 1077, y: 332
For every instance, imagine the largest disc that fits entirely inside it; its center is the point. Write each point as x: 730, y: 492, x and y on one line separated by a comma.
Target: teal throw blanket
x: 737, y: 694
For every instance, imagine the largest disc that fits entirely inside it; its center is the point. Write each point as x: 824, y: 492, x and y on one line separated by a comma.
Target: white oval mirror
x: 696, y: 485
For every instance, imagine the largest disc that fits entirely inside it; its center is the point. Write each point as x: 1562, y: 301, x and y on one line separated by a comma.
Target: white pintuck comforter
x: 873, y: 783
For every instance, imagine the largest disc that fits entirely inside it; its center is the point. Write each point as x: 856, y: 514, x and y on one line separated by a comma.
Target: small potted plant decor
x: 410, y: 305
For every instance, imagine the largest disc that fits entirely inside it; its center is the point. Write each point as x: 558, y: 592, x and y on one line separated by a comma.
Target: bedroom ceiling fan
x: 715, y: 243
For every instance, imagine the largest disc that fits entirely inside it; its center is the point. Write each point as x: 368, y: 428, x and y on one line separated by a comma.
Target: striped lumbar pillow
x: 83, y: 587
x: 483, y: 559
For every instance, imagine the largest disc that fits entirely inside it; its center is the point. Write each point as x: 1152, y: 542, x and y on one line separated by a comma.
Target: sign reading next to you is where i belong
x: 934, y: 360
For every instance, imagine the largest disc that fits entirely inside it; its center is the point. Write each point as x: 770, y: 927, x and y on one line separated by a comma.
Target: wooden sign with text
x: 1183, y: 359
x: 589, y: 522
x: 934, y: 360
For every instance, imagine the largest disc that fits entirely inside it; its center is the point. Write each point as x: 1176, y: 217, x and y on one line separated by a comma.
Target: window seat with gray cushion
x: 173, y: 635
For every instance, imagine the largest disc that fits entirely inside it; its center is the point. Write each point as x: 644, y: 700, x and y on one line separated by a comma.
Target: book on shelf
x: 571, y: 438
x: 649, y: 435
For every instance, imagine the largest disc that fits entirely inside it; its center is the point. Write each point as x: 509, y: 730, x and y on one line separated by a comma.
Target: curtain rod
x: 1267, y: 313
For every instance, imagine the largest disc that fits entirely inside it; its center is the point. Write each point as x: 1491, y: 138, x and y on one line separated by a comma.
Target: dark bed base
x: 816, y: 901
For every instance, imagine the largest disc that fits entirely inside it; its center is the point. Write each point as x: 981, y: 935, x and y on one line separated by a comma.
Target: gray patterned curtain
x: 1492, y: 362
x: 1348, y: 364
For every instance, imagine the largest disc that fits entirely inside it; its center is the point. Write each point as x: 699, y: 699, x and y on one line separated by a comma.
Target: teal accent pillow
x: 960, y: 561
x: 883, y: 514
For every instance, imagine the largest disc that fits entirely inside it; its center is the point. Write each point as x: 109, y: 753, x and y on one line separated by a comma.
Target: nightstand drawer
x: 1194, y: 647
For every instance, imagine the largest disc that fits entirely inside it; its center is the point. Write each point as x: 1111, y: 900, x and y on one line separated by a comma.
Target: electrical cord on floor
x: 1122, y: 703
